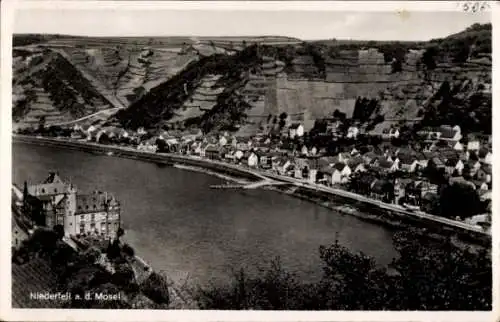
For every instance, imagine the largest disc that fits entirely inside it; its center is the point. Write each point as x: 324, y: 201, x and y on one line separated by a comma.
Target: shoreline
x: 363, y: 208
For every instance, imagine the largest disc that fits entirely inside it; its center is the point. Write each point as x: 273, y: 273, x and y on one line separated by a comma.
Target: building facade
x: 55, y: 202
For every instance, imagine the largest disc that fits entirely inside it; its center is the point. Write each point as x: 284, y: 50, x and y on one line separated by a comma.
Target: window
x: 55, y: 190
x: 43, y: 190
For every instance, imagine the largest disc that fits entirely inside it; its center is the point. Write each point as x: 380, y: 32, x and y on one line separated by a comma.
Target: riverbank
x: 366, y: 209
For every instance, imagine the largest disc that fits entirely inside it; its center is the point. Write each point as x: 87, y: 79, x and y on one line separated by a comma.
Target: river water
x: 179, y: 225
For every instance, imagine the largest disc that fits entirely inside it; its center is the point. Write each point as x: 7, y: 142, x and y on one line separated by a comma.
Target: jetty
x: 253, y: 185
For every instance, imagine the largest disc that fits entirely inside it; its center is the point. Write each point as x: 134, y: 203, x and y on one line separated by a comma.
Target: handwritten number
x: 475, y: 6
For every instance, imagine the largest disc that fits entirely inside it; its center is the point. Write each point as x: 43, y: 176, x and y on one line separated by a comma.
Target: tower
x: 70, y: 225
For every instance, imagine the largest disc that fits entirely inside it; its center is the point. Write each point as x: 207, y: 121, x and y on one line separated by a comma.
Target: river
x: 179, y: 225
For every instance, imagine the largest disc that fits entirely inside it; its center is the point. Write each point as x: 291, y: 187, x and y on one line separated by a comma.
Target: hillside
x: 243, y: 84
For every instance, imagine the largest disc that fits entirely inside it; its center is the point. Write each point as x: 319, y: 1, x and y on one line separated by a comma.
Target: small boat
x: 109, y: 153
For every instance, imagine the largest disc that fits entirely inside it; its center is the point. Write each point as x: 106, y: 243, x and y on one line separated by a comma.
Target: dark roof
x: 406, y: 158
x: 384, y: 164
x: 486, y: 168
x: 429, y: 196
x: 327, y: 169
x: 53, y: 178
x: 294, y: 126
x: 447, y: 131
x: 451, y: 162
x: 212, y: 148
x: 437, y: 161
x: 92, y: 202
x: 339, y: 166
x: 482, y: 152
x: 380, y: 186
x: 354, y: 162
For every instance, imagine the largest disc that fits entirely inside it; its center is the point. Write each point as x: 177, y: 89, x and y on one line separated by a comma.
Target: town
x: 437, y: 170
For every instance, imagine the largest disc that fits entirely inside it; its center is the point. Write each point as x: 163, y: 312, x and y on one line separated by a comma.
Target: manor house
x: 55, y: 202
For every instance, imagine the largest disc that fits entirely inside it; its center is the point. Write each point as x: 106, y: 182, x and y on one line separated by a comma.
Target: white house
x: 283, y: 165
x: 304, y: 150
x: 459, y: 166
x: 238, y: 154
x: 457, y: 146
x: 222, y: 140
x: 352, y: 132
x: 343, y: 157
x: 341, y: 173
x: 473, y: 145
x: 449, y: 133
x: 296, y: 130
x: 253, y: 160
x: 312, y: 175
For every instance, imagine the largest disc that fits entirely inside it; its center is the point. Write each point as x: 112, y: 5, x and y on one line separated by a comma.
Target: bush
x: 156, y: 288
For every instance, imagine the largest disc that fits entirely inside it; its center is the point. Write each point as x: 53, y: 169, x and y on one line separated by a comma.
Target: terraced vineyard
x: 34, y: 276
x: 238, y: 83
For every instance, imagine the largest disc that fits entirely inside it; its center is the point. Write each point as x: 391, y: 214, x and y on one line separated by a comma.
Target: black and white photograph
x: 242, y: 158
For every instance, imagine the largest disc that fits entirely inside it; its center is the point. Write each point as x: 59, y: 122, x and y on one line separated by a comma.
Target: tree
x: 459, y: 200
x: 59, y: 230
x: 41, y: 124
x: 156, y: 288
x: 426, y: 275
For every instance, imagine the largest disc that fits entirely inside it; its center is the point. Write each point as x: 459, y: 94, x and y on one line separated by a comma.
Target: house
x: 148, y: 145
x: 223, y: 140
x: 325, y: 175
x: 485, y: 156
x: 354, y: 152
x: 301, y: 168
x: 97, y: 213
x: 462, y: 181
x: 314, y: 151
x: 341, y: 173
x: 356, y: 164
x: 384, y: 166
x: 429, y: 201
x: 296, y: 130
x: 239, y: 154
x: 282, y: 165
x: 334, y: 127
x: 312, y: 175
x: 449, y: 133
x: 196, y: 148
x: 480, y: 185
x: 343, y: 157
x: 228, y: 155
x: 400, y: 189
x: 383, y: 190
x: 89, y: 131
x: 457, y: 146
x: 415, y: 190
x: 253, y: 160
x: 473, y: 145
x: 352, y: 132
x: 20, y: 232
x: 210, y: 151
x: 304, y: 150
x: 60, y: 204
x: 408, y: 162
x: 454, y: 165
x: 483, y: 173
x: 370, y: 156
x: 390, y: 133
